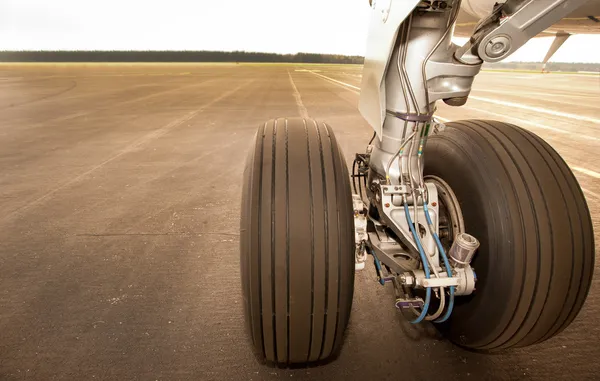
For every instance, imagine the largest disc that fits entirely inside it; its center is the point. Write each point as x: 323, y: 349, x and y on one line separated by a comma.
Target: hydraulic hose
x: 446, y: 264
x: 425, y: 266
x: 387, y: 170
x: 377, y: 265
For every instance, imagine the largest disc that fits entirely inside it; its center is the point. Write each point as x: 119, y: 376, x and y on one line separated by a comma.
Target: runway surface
x: 119, y: 211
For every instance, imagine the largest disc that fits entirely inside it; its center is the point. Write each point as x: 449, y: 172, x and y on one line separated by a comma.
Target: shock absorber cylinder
x: 410, y: 96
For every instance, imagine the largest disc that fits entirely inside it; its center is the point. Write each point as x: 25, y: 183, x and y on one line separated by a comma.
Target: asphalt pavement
x: 119, y: 221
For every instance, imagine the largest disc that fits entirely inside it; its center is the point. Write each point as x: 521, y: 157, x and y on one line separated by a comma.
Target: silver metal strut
x: 411, y: 63
x: 412, y: 86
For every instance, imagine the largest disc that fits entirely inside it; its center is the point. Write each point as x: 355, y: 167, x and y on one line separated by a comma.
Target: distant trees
x: 173, y: 56
x: 241, y: 56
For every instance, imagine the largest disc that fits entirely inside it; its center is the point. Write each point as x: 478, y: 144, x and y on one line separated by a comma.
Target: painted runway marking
x: 538, y: 125
x: 584, y: 137
x: 349, y: 86
x: 301, y: 108
x: 586, y: 171
x: 537, y: 109
x: 537, y: 93
x: 590, y: 75
x: 522, y: 76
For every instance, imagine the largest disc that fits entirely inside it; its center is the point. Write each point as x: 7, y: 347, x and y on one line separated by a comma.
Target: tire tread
x: 301, y: 226
x: 553, y: 236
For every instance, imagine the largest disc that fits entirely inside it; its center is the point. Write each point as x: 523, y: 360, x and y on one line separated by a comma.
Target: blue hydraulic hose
x: 425, y: 266
x: 377, y: 265
x: 446, y: 263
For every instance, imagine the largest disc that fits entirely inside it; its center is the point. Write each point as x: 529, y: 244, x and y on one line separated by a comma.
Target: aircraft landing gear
x: 497, y: 181
x: 422, y: 187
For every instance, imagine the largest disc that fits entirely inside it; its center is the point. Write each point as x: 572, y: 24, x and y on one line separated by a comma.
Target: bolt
x: 385, y: 189
x: 425, y: 283
x: 434, y: 204
x: 387, y: 204
x: 497, y: 47
x: 396, y: 188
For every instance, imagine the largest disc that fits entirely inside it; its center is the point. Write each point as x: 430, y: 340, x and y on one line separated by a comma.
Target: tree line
x: 242, y: 56
x: 173, y: 56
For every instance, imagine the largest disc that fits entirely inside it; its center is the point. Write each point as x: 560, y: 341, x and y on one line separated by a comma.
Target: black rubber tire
x: 297, y: 243
x: 536, y: 259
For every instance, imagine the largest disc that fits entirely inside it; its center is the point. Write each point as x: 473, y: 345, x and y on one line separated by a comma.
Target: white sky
x: 280, y: 26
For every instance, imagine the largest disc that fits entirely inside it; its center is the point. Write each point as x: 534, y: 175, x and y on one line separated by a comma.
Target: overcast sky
x: 280, y: 26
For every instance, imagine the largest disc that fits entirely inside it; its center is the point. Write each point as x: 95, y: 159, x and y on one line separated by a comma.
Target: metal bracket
x: 360, y: 232
x: 390, y: 252
x: 394, y: 216
x: 438, y: 127
x: 463, y: 279
x: 440, y: 282
x: 396, y: 189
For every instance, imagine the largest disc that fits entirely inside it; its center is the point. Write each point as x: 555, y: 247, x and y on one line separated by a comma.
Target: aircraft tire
x: 297, y: 243
x: 523, y: 203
